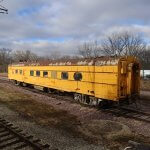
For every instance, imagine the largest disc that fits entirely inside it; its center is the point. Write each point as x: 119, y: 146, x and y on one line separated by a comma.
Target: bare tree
x: 5, y: 59
x: 3, y: 9
x: 22, y: 56
x: 125, y: 43
x: 54, y: 55
x: 89, y: 50
x: 85, y: 50
x: 66, y: 57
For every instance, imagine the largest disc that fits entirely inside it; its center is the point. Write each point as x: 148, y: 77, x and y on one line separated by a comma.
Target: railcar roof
x: 100, y: 61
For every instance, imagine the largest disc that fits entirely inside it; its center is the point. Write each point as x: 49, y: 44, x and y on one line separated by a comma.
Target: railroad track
x: 32, y: 89
x: 13, y: 138
x: 129, y: 113
x: 117, y: 111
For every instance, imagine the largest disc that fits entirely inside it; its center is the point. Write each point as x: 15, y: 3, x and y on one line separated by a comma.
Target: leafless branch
x: 89, y: 50
x: 125, y: 43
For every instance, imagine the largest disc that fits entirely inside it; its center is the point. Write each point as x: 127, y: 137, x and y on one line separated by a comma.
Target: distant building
x: 145, y: 73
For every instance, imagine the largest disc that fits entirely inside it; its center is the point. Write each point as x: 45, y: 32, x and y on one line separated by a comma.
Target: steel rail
x: 11, y: 136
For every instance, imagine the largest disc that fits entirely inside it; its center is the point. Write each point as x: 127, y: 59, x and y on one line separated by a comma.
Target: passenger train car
x: 92, y: 81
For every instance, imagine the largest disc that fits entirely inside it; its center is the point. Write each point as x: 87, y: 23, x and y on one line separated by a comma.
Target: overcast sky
x: 48, y: 25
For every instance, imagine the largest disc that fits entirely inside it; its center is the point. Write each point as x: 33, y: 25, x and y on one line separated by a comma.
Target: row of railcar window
x: 17, y: 72
x: 64, y: 75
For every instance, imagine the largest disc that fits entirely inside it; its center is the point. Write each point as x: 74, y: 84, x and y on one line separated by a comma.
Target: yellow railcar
x: 91, y: 81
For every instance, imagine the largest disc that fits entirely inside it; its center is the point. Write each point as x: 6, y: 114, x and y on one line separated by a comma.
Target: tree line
x: 7, y: 56
x: 117, y: 44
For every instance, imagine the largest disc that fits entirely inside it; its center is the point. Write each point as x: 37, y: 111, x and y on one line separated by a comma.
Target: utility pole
x: 3, y: 10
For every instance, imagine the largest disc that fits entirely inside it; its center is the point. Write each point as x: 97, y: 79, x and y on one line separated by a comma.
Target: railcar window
x: 64, y: 75
x: 77, y: 76
x: 16, y: 71
x: 37, y: 73
x: 31, y: 73
x: 20, y: 71
x: 45, y: 74
x: 54, y: 74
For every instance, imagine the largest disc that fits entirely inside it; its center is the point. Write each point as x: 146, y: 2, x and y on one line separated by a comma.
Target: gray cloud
x: 43, y: 23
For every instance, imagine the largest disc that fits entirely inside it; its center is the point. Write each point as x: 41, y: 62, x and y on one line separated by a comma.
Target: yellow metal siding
x: 106, y: 91
x: 106, y: 82
x: 96, y: 84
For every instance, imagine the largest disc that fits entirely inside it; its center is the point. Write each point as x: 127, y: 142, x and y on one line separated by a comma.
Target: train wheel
x: 45, y: 89
x: 25, y: 84
x: 15, y: 82
x: 51, y: 90
x: 103, y: 103
x: 19, y: 83
x: 87, y: 100
x: 93, y: 101
x: 77, y: 97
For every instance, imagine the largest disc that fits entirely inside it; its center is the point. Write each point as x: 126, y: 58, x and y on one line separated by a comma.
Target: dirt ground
x: 68, y: 125
x: 4, y: 74
x: 145, y: 85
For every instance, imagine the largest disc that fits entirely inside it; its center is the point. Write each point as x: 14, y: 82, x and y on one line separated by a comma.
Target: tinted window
x: 45, y: 74
x: 16, y: 71
x: 54, y: 74
x: 20, y: 71
x: 64, y: 75
x: 37, y: 73
x: 77, y: 76
x: 31, y: 73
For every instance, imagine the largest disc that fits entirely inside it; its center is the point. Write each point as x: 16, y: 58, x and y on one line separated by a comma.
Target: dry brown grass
x: 39, y: 112
x: 113, y: 134
x: 43, y: 114
x: 109, y: 132
x: 145, y: 85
